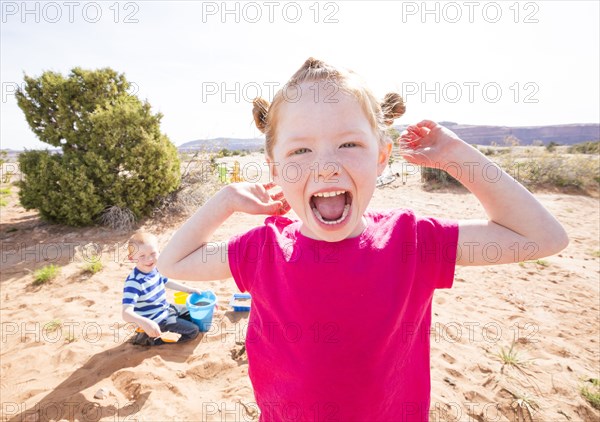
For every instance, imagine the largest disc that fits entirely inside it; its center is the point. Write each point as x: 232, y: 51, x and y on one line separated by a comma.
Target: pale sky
x: 483, y: 62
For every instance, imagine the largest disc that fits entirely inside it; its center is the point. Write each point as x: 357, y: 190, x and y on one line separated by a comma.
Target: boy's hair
x: 139, y: 239
x: 380, y: 116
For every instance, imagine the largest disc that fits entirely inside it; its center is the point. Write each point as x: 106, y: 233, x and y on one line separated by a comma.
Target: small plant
x: 592, y: 394
x: 70, y: 339
x: 4, y: 192
x: 94, y: 266
x: 510, y: 357
x: 43, y: 275
x: 52, y: 326
x: 523, y: 404
x: 538, y: 262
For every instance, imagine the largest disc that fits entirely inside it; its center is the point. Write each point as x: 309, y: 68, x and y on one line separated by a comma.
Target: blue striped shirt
x: 146, y: 292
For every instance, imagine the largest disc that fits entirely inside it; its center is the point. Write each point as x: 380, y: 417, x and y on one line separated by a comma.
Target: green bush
x: 94, y: 266
x: 43, y: 275
x: 112, y: 152
x: 585, y: 148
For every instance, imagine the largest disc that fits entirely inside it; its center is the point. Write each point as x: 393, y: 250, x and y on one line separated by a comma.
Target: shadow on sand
x: 66, y: 400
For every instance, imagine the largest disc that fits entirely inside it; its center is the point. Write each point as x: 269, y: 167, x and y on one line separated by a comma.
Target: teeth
x: 339, y: 220
x: 328, y: 194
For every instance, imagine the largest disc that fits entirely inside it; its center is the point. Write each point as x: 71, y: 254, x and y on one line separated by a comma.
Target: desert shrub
x: 591, y: 392
x: 45, y: 274
x: 112, y: 153
x: 94, y: 266
x: 585, y: 148
x: 436, y: 178
x: 199, y: 181
x: 551, y: 147
x: 554, y: 170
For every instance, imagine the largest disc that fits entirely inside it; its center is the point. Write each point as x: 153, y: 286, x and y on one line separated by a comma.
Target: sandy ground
x: 551, y: 309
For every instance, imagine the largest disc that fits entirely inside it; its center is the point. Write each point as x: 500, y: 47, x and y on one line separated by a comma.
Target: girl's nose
x: 326, y: 167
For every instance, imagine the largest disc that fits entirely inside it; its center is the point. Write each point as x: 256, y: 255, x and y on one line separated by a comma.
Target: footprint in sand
x: 454, y: 373
x: 125, y: 382
x: 210, y: 369
x: 73, y: 298
x: 448, y: 358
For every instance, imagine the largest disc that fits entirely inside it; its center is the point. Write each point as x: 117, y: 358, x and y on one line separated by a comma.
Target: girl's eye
x: 349, y: 145
x: 300, y: 151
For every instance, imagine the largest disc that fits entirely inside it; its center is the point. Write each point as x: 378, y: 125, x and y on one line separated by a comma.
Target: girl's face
x: 326, y: 159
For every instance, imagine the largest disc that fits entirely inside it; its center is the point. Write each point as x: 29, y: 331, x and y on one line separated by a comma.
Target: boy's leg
x: 143, y: 339
x: 187, y: 329
x: 182, y: 312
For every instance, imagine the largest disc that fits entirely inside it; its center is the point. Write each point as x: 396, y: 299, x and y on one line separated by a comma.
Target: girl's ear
x: 384, y: 157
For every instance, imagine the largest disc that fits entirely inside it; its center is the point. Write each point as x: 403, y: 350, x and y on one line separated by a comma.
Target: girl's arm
x: 190, y: 256
x: 518, y: 226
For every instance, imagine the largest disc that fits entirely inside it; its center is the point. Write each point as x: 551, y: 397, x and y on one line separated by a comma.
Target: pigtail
x: 392, y: 107
x: 259, y: 112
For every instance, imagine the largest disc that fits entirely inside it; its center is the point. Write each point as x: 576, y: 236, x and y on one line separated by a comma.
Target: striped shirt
x: 146, y: 292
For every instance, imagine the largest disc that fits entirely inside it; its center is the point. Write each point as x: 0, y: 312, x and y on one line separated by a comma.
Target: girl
x: 310, y: 358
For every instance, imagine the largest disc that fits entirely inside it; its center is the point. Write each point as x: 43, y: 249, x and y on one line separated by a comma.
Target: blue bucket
x: 201, y: 307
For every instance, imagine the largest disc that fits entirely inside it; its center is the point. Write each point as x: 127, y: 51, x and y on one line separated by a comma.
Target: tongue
x: 330, y: 208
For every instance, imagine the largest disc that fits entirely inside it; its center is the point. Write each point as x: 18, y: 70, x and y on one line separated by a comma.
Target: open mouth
x: 331, y: 207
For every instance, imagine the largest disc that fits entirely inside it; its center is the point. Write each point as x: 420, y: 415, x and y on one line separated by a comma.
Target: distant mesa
x: 560, y: 134
x: 217, y: 144
x: 481, y: 135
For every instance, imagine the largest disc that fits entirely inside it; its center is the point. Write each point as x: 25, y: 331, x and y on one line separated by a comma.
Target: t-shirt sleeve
x: 131, y: 292
x: 244, y: 252
x: 437, y: 241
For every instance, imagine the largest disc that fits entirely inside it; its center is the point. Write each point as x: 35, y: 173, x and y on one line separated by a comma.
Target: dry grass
x: 536, y: 168
x: 117, y: 218
x: 199, y: 181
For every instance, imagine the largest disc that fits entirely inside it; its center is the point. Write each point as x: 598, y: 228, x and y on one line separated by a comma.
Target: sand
x: 52, y: 372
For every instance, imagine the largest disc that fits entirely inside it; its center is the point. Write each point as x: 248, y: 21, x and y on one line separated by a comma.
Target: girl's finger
x: 429, y: 124
x: 277, y: 196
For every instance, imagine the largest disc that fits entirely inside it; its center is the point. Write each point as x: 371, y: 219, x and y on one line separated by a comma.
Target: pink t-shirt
x: 339, y: 331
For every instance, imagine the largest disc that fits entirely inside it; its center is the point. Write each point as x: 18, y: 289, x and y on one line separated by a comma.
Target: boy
x: 144, y: 296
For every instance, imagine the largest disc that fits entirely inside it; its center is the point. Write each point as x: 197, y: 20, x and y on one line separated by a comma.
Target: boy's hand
x: 151, y: 328
x: 254, y: 198
x: 429, y: 144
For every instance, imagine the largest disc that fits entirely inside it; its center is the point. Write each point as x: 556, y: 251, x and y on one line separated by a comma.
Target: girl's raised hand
x: 254, y: 198
x: 428, y: 144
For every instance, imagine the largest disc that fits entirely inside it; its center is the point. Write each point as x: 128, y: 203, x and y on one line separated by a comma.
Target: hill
x: 481, y: 135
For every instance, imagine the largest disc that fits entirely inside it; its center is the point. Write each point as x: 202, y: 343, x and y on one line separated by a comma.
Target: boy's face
x: 326, y: 160
x: 145, y: 257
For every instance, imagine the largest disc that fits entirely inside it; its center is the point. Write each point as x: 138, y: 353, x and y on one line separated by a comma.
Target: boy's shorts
x: 175, y: 312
